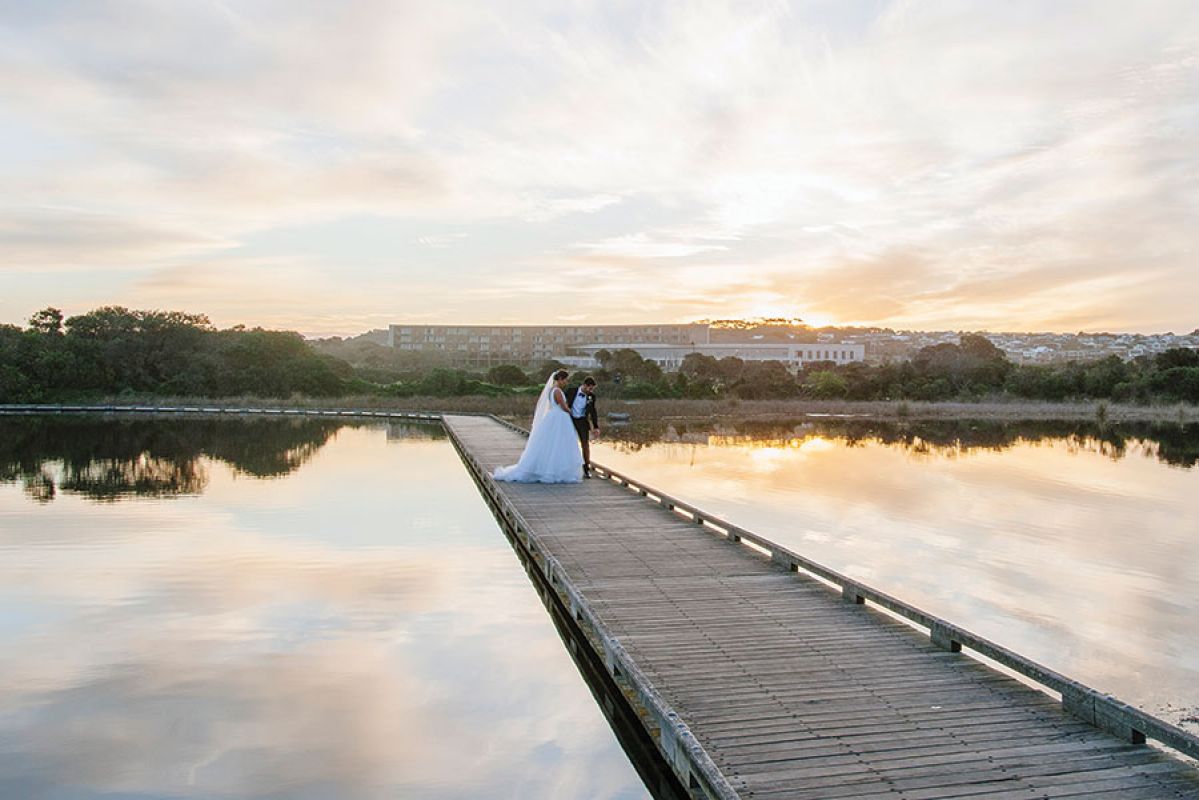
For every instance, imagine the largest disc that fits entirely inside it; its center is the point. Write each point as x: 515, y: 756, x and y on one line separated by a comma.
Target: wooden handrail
x: 66, y: 408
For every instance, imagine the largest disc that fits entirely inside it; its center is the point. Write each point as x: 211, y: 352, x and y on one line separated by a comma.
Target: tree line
x: 114, y: 351
x: 975, y: 369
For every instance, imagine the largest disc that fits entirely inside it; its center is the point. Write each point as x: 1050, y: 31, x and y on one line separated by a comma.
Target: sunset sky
x: 332, y: 167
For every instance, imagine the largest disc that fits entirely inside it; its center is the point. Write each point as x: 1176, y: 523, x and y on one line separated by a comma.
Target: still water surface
x: 313, y: 609
x: 1073, y: 545
x: 275, y: 608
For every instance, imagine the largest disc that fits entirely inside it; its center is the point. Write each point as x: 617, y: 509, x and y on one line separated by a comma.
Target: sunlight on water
x: 1077, y: 552
x: 285, y: 610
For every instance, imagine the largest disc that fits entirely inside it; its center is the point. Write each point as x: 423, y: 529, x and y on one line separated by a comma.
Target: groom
x: 582, y: 413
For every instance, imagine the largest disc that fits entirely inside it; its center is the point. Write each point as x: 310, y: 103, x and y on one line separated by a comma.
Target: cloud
x: 783, y: 141
x: 55, y: 239
x: 546, y: 209
x: 440, y: 240
x: 641, y: 245
x: 272, y: 292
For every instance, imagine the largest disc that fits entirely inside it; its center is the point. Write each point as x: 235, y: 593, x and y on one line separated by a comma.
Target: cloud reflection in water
x: 359, y: 629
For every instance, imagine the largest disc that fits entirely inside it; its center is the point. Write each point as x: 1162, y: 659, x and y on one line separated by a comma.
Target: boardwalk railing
x: 236, y: 410
x: 1092, y: 706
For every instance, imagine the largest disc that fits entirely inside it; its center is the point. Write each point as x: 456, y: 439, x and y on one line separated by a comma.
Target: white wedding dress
x: 552, y: 454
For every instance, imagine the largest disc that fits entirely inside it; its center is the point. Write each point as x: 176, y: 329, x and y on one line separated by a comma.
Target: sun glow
x: 819, y: 320
x: 767, y: 459
x: 816, y: 444
x: 766, y: 309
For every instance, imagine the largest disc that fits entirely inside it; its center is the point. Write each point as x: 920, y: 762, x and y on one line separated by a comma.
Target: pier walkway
x: 762, y: 675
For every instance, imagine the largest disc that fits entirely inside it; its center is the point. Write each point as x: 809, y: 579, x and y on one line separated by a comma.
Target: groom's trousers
x: 583, y: 428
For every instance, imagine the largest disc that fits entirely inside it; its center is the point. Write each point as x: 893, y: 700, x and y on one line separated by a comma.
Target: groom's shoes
x: 586, y: 472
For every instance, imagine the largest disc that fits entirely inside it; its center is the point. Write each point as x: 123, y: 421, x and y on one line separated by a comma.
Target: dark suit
x: 590, y: 413
x: 584, y: 424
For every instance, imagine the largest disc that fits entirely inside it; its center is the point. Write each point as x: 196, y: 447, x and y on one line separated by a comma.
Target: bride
x: 552, y: 454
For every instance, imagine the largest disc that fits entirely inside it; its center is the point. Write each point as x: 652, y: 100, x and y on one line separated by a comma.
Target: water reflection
x: 109, y: 458
x: 1177, y: 445
x: 408, y: 431
x: 1074, y: 544
x: 357, y: 628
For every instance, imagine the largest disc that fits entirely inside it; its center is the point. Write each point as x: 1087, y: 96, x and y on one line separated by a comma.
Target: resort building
x: 530, y: 345
x: 670, y: 357
x: 482, y: 346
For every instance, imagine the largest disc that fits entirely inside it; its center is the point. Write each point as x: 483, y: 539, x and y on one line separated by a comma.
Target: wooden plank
x: 954, y: 782
x: 912, y: 750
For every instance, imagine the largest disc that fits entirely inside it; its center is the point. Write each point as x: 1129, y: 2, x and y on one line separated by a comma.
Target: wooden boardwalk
x: 760, y: 681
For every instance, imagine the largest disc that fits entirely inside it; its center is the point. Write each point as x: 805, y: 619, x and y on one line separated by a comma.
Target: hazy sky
x: 336, y: 166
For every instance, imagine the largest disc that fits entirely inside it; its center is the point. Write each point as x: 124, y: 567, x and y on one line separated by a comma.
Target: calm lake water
x: 1073, y: 545
x: 315, y: 609
x: 280, y: 609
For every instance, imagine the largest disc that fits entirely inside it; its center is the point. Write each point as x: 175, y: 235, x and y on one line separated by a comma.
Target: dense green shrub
x: 114, y: 351
x: 507, y: 375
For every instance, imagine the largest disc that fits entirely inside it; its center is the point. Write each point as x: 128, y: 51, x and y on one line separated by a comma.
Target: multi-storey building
x: 530, y: 345
x: 795, y: 356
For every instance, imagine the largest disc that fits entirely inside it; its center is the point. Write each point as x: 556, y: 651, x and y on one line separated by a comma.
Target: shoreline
x: 518, y: 407
x: 907, y: 410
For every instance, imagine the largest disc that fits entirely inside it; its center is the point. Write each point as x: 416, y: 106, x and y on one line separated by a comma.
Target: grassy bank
x: 519, y: 408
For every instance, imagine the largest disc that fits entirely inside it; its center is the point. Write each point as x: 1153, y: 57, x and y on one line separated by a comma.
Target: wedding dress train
x: 552, y: 454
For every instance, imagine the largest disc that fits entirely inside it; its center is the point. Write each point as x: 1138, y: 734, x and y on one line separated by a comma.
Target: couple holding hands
x: 559, y: 446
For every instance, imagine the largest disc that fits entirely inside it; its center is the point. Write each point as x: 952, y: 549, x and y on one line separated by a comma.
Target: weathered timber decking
x: 761, y: 682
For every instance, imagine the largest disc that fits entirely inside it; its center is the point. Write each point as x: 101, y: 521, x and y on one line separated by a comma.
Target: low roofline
x: 713, y: 346
x: 534, y: 327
